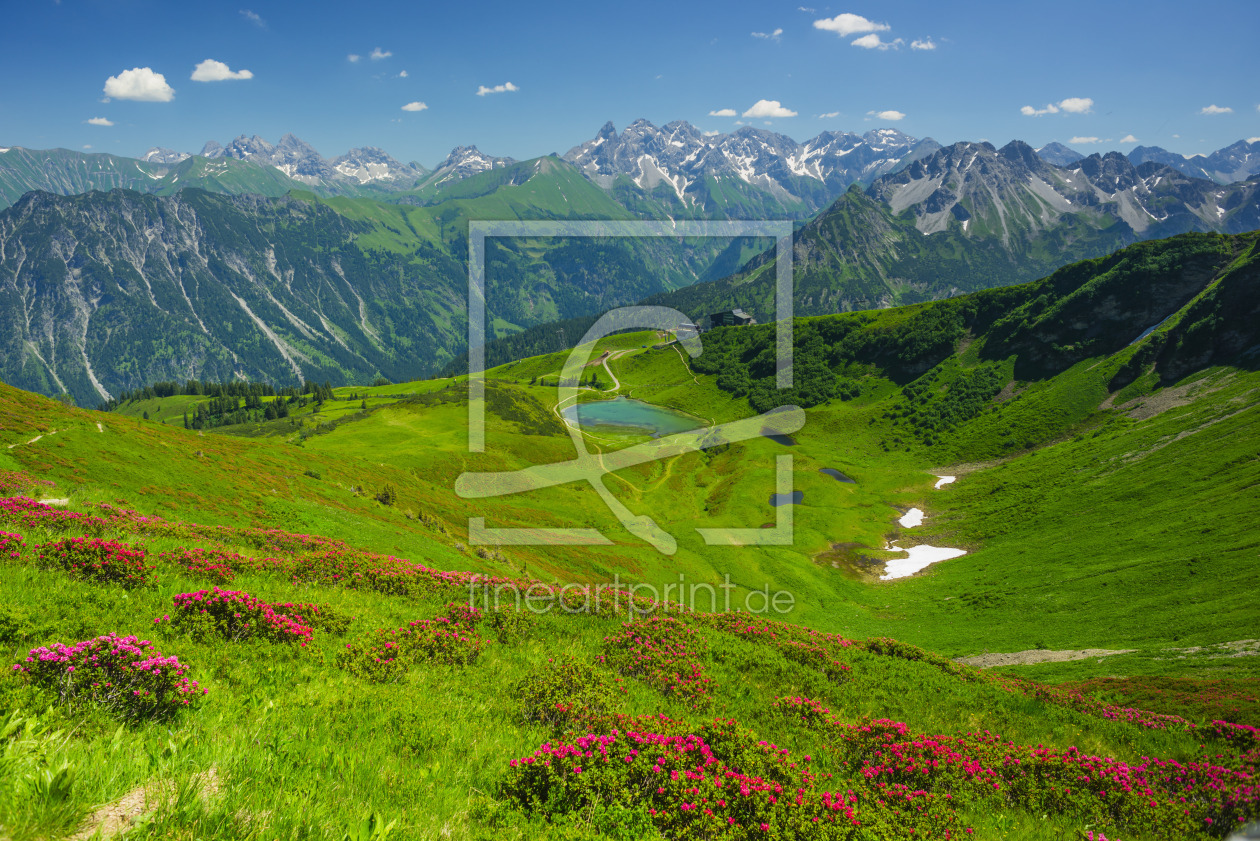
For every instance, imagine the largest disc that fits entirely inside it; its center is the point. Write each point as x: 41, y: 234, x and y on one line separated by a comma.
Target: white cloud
x: 764, y: 108
x: 809, y: 10
x: 482, y: 90
x: 1217, y: 109
x: 352, y: 58
x: 415, y: 106
x: 402, y: 74
x: 724, y: 112
x: 87, y: 145
x: 1071, y: 105
x: 829, y: 115
x: 1128, y: 138
x: 710, y: 133
x: 140, y: 84
x: 1253, y: 139
x: 848, y: 24
x: 923, y: 44
x: 99, y: 121
x: 378, y: 54
x: 254, y: 18
x: 216, y: 71
x: 769, y: 36
x: 891, y: 116
x: 1084, y: 140
x: 874, y: 42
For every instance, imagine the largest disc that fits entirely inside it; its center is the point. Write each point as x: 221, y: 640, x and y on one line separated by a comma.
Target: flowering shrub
x: 28, y: 514
x: 19, y: 482
x: 506, y: 625
x: 1165, y: 798
x: 564, y: 691
x: 1235, y: 699
x: 323, y: 617
x: 11, y: 546
x: 215, y: 564
x: 307, y: 558
x: 234, y: 616
x: 385, y: 655
x: 663, y: 652
x: 691, y: 787
x: 1240, y: 736
x: 810, y: 648
x: 127, y: 676
x: 106, y: 561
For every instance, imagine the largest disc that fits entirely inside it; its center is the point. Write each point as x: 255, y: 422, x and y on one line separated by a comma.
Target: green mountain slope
x: 62, y: 172
x: 1099, y: 510
x: 972, y: 217
x: 107, y: 292
x: 1027, y: 381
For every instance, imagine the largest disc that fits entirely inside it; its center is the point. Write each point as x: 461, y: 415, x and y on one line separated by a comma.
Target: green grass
x: 301, y: 749
x: 1096, y: 514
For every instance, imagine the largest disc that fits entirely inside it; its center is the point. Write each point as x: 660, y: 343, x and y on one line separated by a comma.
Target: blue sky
x: 1096, y: 75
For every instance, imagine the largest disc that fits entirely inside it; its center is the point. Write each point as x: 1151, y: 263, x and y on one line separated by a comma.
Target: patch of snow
x: 917, y: 558
x: 99, y: 428
x: 912, y: 518
x: 965, y: 223
x: 945, y: 480
x: 61, y: 502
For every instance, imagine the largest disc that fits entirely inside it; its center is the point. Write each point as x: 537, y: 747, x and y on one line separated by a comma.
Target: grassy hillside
x: 1105, y: 492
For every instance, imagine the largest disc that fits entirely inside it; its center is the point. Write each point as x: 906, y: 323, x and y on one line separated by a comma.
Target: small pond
x: 837, y: 475
x: 778, y: 437
x: 631, y: 415
x: 794, y: 498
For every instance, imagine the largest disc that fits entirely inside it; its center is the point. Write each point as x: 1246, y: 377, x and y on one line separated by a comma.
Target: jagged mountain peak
x: 162, y: 155
x: 1018, y: 150
x: 1059, y: 155
x: 800, y: 177
x: 464, y: 161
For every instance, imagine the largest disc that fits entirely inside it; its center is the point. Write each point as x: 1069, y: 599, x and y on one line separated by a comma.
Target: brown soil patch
x: 1008, y: 391
x: 1150, y: 405
x: 1237, y: 648
x: 850, y: 558
x: 118, y: 816
x: 1038, y: 655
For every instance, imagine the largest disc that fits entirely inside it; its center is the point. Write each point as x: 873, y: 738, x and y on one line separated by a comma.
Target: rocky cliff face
x: 693, y: 166
x: 1013, y: 193
x: 105, y: 292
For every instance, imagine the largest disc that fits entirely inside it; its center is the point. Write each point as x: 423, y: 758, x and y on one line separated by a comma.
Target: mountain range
x: 971, y: 216
x: 271, y: 262
x: 674, y: 170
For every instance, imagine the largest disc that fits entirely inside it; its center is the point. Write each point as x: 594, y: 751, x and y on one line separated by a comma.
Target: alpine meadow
x: 856, y: 438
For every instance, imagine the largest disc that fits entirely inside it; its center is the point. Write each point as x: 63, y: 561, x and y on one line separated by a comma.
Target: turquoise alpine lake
x: 631, y: 414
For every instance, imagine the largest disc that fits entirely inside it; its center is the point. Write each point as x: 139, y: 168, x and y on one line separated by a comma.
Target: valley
x: 1102, y: 489
x: 1025, y: 464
